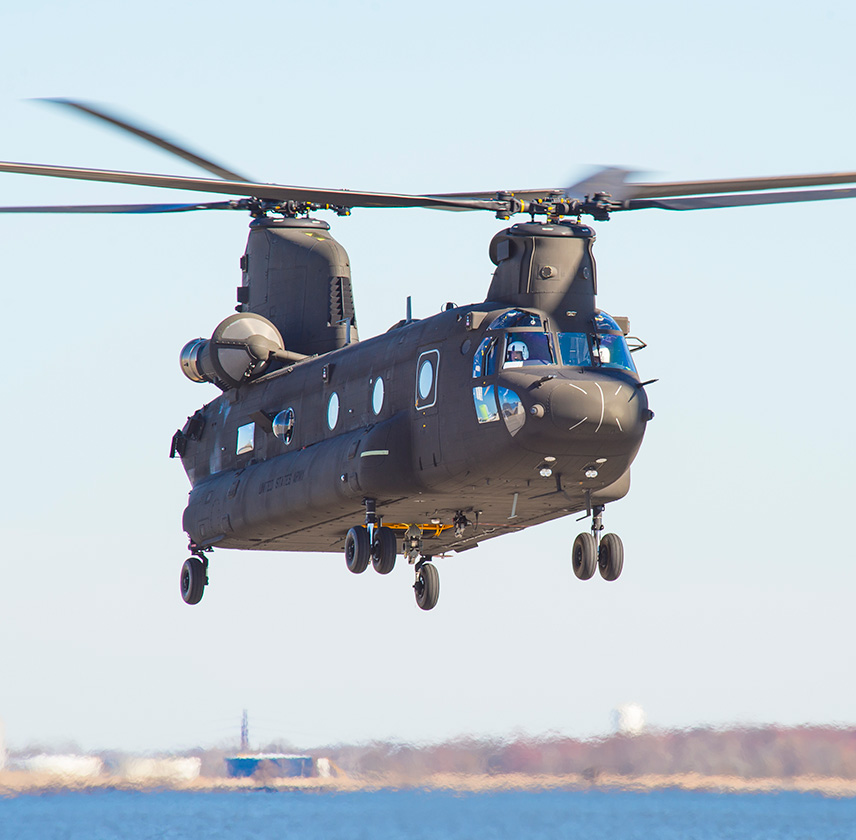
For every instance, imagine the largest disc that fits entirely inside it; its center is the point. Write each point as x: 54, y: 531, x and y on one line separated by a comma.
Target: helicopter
x: 442, y: 432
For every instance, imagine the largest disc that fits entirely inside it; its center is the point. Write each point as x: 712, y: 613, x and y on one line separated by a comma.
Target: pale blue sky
x: 736, y: 600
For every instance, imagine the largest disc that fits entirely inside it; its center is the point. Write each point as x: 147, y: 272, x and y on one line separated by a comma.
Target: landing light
x: 546, y: 472
x: 591, y: 472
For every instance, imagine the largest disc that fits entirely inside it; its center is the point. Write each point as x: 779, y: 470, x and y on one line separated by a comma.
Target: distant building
x: 271, y: 764
x: 161, y: 769
x: 65, y: 766
x: 628, y: 719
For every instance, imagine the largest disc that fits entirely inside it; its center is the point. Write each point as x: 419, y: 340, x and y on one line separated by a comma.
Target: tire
x: 384, y: 551
x: 584, y: 556
x: 427, y: 586
x: 610, y: 558
x: 193, y: 580
x: 357, y: 549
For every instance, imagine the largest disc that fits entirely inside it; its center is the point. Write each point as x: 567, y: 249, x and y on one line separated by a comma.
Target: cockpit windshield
x: 598, y: 350
x: 523, y: 349
x: 612, y: 352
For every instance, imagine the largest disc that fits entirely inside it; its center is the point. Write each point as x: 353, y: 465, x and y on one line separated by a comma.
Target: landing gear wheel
x: 427, y: 586
x: 610, y: 557
x: 357, y: 549
x: 193, y: 580
x: 384, y: 551
x: 584, y: 556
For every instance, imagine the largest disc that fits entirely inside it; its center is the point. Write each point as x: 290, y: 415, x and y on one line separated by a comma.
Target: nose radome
x: 597, y: 407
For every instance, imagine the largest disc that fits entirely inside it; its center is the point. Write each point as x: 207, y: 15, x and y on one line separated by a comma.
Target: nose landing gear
x: 427, y: 584
x: 593, y: 551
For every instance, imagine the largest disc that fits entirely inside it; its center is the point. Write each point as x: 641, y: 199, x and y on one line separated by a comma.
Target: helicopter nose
x: 598, y: 407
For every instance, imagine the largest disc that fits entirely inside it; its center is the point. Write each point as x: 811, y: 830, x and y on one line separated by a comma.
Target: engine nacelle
x: 241, y: 348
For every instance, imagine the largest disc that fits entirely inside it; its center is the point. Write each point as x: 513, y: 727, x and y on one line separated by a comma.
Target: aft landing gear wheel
x: 427, y: 586
x: 193, y: 579
x: 610, y: 556
x: 357, y: 549
x: 584, y: 556
x: 384, y: 550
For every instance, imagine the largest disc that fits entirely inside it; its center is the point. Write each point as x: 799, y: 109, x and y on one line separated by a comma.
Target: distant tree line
x: 748, y: 753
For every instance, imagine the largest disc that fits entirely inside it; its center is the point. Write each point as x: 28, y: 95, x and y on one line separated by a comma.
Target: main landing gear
x: 194, y: 577
x: 371, y: 542
x: 376, y: 544
x: 593, y: 552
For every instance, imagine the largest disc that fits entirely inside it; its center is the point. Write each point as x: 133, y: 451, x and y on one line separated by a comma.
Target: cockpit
x: 518, y: 339
x: 521, y: 339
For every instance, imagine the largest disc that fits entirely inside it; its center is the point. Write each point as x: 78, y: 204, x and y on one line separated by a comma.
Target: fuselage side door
x: 427, y: 454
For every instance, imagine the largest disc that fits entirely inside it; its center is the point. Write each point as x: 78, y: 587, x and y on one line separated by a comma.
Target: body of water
x: 400, y: 815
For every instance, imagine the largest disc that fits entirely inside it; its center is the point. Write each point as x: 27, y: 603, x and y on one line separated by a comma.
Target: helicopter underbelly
x: 306, y: 500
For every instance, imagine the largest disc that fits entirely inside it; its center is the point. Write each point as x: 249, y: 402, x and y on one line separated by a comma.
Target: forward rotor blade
x: 126, y: 208
x: 247, y: 189
x: 746, y: 200
x: 151, y: 137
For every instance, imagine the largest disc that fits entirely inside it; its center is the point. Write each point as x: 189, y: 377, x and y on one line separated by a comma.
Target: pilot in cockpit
x: 516, y: 353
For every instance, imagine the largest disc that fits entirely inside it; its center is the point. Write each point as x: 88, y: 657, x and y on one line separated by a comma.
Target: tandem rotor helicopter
x: 442, y: 432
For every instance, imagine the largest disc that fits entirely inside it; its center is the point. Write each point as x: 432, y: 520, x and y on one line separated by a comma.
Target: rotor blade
x: 675, y: 188
x: 711, y: 202
x: 274, y: 192
x: 487, y: 195
x: 150, y: 137
x: 126, y: 208
x: 611, y: 180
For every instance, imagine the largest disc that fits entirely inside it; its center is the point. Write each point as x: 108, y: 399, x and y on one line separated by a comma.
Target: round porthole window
x: 426, y: 379
x: 283, y: 425
x: 333, y: 410
x: 377, y: 395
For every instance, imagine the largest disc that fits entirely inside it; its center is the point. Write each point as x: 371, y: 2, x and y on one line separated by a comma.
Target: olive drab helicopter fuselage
x: 446, y: 431
x: 440, y: 433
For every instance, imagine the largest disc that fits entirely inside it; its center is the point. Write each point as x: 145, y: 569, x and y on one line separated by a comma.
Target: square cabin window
x: 246, y: 435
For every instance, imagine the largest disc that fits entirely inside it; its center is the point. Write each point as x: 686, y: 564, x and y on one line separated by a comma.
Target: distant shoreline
x: 23, y: 784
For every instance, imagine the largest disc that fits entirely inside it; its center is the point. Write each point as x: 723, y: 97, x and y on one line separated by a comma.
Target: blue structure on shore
x: 273, y: 764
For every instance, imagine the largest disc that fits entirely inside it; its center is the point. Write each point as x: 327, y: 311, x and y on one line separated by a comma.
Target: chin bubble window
x: 486, y: 408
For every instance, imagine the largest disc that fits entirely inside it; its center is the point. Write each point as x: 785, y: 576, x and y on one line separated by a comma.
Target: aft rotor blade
x: 126, y: 208
x: 689, y: 188
x: 151, y: 137
x: 746, y: 200
x: 248, y: 189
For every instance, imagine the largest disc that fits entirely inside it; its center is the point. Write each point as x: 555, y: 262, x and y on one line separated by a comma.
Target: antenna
x: 409, y: 316
x: 245, y: 732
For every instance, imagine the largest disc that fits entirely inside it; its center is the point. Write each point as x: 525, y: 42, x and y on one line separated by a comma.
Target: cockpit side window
x: 523, y: 349
x: 484, y: 361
